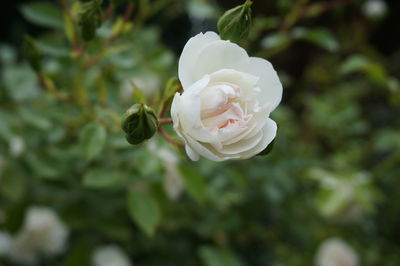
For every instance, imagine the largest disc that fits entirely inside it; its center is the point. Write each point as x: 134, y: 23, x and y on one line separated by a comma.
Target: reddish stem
x: 165, y: 120
x: 169, y: 138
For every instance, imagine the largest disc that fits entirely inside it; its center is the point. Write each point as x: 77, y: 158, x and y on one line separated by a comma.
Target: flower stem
x: 165, y: 120
x: 169, y: 138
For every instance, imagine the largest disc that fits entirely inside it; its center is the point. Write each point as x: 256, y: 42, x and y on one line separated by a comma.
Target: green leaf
x: 92, y: 139
x: 34, y: 118
x: 171, y: 88
x: 359, y: 63
x: 320, y: 37
x: 43, y: 14
x: 138, y: 95
x: 12, y: 185
x: 212, y: 256
x: 144, y: 210
x: 80, y: 252
x: 278, y: 40
x: 194, y: 183
x: 101, y: 178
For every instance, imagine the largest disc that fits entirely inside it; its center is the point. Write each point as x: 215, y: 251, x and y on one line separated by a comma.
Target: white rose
x: 374, y: 8
x: 336, y: 252
x: 110, y: 255
x: 223, y: 112
x: 43, y: 233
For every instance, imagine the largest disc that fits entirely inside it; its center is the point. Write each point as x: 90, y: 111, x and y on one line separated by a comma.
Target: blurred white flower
x: 42, y: 233
x: 336, y: 252
x: 173, y: 182
x: 374, y: 8
x: 5, y: 243
x: 110, y: 255
x: 147, y: 81
x: 345, y: 197
x: 16, y: 146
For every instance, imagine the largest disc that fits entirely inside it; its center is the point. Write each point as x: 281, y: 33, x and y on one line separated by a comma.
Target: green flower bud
x: 31, y: 53
x: 90, y: 19
x: 234, y: 24
x: 139, y: 123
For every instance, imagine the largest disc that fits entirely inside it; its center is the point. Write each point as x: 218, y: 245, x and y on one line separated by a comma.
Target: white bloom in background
x: 16, y: 146
x: 374, y: 8
x: 5, y: 243
x: 110, y: 255
x: 173, y: 181
x: 336, y: 252
x: 228, y: 96
x: 42, y: 233
x: 147, y: 81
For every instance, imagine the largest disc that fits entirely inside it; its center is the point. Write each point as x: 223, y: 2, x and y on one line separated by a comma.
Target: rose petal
x: 190, y: 53
x: 269, y: 133
x: 202, y: 150
x: 242, y: 146
x: 270, y: 85
x: 219, y: 55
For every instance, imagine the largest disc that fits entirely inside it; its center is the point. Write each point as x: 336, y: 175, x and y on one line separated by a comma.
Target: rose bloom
x: 336, y: 252
x: 223, y: 112
x: 42, y: 233
x: 110, y: 255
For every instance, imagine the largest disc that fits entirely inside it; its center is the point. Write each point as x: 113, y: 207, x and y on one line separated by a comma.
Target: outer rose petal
x: 202, y: 150
x: 269, y: 133
x: 190, y: 53
x: 271, y: 87
x: 219, y: 55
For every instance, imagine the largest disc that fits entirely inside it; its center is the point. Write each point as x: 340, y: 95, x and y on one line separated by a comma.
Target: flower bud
x: 90, y: 19
x: 31, y: 53
x: 139, y: 123
x: 234, y: 25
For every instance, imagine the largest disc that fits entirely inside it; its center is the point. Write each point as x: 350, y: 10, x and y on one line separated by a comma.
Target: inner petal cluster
x: 222, y: 110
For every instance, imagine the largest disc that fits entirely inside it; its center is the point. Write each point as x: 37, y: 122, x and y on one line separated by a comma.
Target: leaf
x: 194, y: 183
x: 80, y: 252
x: 101, y: 178
x: 138, y: 95
x: 359, y: 63
x: 320, y: 37
x: 277, y: 40
x: 12, y: 185
x: 69, y: 28
x: 171, y: 88
x: 43, y: 14
x: 92, y: 139
x: 212, y: 256
x: 34, y: 118
x: 144, y: 210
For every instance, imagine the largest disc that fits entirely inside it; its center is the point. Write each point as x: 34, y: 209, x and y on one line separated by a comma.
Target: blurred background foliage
x: 333, y: 172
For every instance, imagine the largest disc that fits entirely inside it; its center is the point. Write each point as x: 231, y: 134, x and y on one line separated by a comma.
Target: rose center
x: 221, y: 107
